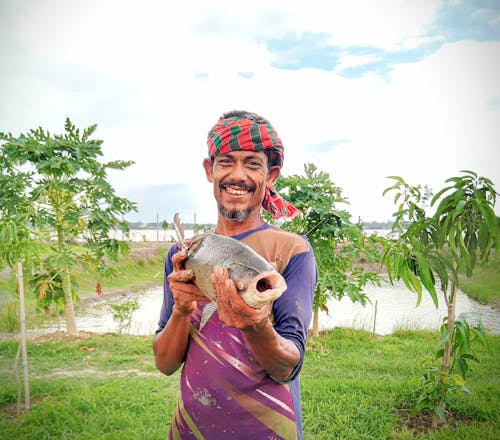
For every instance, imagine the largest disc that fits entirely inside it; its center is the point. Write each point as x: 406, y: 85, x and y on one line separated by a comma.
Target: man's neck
x: 231, y: 228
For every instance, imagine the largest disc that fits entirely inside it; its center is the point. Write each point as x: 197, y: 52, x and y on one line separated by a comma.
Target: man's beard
x: 235, y: 216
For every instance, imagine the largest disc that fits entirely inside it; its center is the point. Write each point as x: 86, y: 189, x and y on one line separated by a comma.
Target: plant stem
x: 66, y: 286
x: 20, y: 280
x: 315, y: 327
x: 445, y: 365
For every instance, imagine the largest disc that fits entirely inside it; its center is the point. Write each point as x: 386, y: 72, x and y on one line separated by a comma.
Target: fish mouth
x: 263, y: 289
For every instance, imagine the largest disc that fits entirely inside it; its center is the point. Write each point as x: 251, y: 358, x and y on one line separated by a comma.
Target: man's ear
x: 272, y: 176
x: 209, y: 167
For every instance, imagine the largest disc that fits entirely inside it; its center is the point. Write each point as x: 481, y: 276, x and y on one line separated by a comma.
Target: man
x: 240, y: 375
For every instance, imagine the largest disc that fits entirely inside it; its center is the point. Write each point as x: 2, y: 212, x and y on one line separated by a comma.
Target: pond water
x: 395, y: 309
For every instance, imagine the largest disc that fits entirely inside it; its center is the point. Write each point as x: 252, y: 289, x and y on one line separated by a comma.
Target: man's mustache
x: 242, y: 185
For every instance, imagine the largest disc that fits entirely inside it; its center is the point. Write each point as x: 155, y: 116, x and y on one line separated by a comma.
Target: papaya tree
x: 338, y: 244
x: 66, y: 184
x: 434, y: 253
x: 18, y: 245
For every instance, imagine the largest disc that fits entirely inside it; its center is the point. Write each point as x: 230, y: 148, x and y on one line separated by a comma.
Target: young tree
x: 337, y: 242
x: 71, y: 198
x: 18, y: 245
x: 436, y: 251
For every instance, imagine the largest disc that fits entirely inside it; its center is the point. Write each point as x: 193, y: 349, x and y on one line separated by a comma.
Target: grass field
x: 354, y: 386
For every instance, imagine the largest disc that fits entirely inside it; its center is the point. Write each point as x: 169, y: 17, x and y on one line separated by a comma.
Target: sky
x: 363, y: 89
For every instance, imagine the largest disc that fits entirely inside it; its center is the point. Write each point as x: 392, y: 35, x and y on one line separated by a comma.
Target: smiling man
x: 240, y: 370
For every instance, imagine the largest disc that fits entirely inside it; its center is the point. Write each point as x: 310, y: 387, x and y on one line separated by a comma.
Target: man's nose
x: 238, y: 172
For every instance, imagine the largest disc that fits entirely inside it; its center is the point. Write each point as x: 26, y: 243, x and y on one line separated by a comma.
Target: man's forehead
x: 245, y: 155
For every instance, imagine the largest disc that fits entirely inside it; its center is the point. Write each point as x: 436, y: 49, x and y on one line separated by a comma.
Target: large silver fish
x: 257, y: 281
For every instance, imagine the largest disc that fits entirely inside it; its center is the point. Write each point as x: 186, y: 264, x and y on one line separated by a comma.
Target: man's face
x: 240, y: 179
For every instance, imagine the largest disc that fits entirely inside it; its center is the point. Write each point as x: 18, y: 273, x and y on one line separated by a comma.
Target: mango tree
x: 435, y: 252
x: 338, y: 244
x: 72, y: 200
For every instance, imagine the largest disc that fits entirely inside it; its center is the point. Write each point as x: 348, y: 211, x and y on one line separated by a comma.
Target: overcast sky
x: 363, y: 89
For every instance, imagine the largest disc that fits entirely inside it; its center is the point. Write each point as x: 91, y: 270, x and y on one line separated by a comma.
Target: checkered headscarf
x: 238, y: 133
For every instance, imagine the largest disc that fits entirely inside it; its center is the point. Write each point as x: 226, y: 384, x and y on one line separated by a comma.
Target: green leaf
x: 445, y: 337
x: 460, y: 207
x: 440, y: 413
x: 439, y: 194
x: 412, y: 282
x: 479, y: 332
x: 463, y: 329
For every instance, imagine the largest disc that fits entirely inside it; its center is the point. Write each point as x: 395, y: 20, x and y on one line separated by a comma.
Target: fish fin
x: 179, y: 231
x: 207, y: 313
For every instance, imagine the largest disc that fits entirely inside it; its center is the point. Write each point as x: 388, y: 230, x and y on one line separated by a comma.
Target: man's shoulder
x: 286, y: 238
x: 277, y: 245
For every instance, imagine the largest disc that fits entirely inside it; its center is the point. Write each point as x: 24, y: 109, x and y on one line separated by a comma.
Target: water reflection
x: 395, y: 307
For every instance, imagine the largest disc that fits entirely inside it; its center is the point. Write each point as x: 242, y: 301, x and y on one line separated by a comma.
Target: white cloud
x: 431, y: 120
x: 155, y: 76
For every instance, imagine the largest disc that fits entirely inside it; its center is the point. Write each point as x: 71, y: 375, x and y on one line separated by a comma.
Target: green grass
x: 354, y: 386
x: 132, y: 272
x: 484, y: 284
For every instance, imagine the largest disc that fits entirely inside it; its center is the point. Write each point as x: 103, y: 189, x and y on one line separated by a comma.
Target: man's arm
x: 277, y: 355
x: 170, y: 345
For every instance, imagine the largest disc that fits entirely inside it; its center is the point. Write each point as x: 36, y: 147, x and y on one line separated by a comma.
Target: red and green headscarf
x: 237, y: 133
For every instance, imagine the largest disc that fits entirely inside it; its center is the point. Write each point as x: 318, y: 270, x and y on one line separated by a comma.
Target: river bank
x: 142, y: 270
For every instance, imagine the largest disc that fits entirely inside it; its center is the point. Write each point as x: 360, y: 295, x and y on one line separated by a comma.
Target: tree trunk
x: 69, y: 311
x: 18, y: 384
x: 450, y: 325
x: 445, y: 365
x: 315, y: 327
x: 22, y: 318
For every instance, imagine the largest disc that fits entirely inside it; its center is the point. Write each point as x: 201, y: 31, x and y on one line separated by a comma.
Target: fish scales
x: 257, y: 281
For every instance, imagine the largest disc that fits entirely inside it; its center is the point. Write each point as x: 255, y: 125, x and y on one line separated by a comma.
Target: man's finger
x: 178, y: 260
x: 184, y: 275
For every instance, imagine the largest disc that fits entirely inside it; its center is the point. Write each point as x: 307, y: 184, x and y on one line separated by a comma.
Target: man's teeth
x: 234, y: 191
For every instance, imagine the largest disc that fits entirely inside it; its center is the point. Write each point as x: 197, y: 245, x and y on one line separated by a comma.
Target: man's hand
x: 184, y: 291
x: 233, y: 311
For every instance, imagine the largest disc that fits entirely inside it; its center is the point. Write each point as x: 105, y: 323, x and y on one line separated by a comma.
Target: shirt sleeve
x: 293, y: 309
x: 168, y: 298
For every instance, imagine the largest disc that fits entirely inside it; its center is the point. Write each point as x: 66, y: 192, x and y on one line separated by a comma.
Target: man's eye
x: 254, y: 164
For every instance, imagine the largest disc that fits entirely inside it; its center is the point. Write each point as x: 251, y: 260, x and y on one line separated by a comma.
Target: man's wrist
x: 182, y: 311
x: 258, y: 328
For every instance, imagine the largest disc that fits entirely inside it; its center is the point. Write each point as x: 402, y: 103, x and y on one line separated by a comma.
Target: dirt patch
x: 113, y: 294
x: 422, y: 422
x: 149, y: 249
x: 97, y: 373
x: 495, y: 303
x: 51, y: 337
x: 15, y: 409
x: 371, y: 266
x: 61, y: 336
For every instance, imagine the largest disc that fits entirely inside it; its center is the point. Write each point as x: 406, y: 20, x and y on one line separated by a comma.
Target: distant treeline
x: 169, y: 225
x: 152, y: 225
x: 377, y: 225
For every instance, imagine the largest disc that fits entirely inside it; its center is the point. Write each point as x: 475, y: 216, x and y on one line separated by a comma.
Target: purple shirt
x: 225, y: 393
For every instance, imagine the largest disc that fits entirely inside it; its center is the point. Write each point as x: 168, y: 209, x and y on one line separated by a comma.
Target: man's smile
x: 237, y: 190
